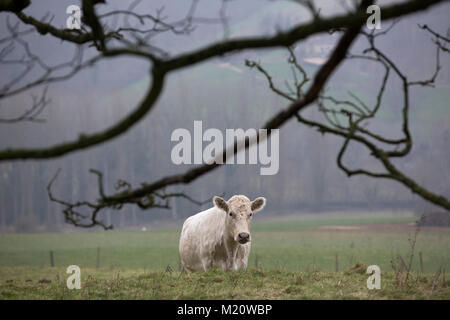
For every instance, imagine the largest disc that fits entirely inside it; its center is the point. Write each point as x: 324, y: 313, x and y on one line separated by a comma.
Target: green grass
x: 289, y: 243
x: 305, y: 221
x: 282, y: 249
x: 48, y: 283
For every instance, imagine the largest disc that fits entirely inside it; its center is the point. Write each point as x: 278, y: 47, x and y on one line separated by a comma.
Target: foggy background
x: 223, y: 93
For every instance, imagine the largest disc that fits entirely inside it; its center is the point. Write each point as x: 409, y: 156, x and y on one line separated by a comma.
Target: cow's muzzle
x: 243, y: 237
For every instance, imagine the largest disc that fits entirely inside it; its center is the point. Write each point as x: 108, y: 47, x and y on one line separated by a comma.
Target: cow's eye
x: 250, y: 214
x: 231, y: 214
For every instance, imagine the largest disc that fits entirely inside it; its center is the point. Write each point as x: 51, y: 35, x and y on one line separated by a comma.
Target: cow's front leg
x: 231, y: 258
x: 242, y: 256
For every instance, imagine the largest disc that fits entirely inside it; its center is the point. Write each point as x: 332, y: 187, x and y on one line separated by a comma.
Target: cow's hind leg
x: 207, y: 260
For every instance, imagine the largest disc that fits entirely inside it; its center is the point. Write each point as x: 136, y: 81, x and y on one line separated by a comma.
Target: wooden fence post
x: 98, y: 257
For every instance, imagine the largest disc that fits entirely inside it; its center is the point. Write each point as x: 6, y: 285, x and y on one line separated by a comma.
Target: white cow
x: 219, y: 236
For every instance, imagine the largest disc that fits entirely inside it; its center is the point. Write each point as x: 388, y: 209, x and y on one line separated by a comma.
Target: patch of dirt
x: 340, y: 228
x: 45, y: 281
x: 358, y: 268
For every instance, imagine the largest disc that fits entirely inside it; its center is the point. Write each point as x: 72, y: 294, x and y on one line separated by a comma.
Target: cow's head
x: 239, y: 210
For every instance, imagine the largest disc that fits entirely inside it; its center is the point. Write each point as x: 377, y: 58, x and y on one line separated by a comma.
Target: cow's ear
x: 258, y: 204
x: 221, y: 204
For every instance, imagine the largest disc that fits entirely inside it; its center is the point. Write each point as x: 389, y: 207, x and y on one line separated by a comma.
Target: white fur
x: 207, y: 241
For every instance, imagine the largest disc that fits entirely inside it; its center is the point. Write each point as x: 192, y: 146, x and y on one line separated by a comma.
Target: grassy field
x: 50, y: 283
x: 292, y: 257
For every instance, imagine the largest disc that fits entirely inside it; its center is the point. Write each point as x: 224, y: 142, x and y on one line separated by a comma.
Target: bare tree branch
x: 85, y: 214
x: 33, y: 113
x: 111, y: 42
x: 339, y: 53
x: 353, y: 131
x: 161, y: 68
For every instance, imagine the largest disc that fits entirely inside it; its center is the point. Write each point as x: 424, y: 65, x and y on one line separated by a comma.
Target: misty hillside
x: 224, y: 93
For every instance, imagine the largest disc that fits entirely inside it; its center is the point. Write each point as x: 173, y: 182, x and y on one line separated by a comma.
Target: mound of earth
x: 399, y: 226
x: 436, y: 219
